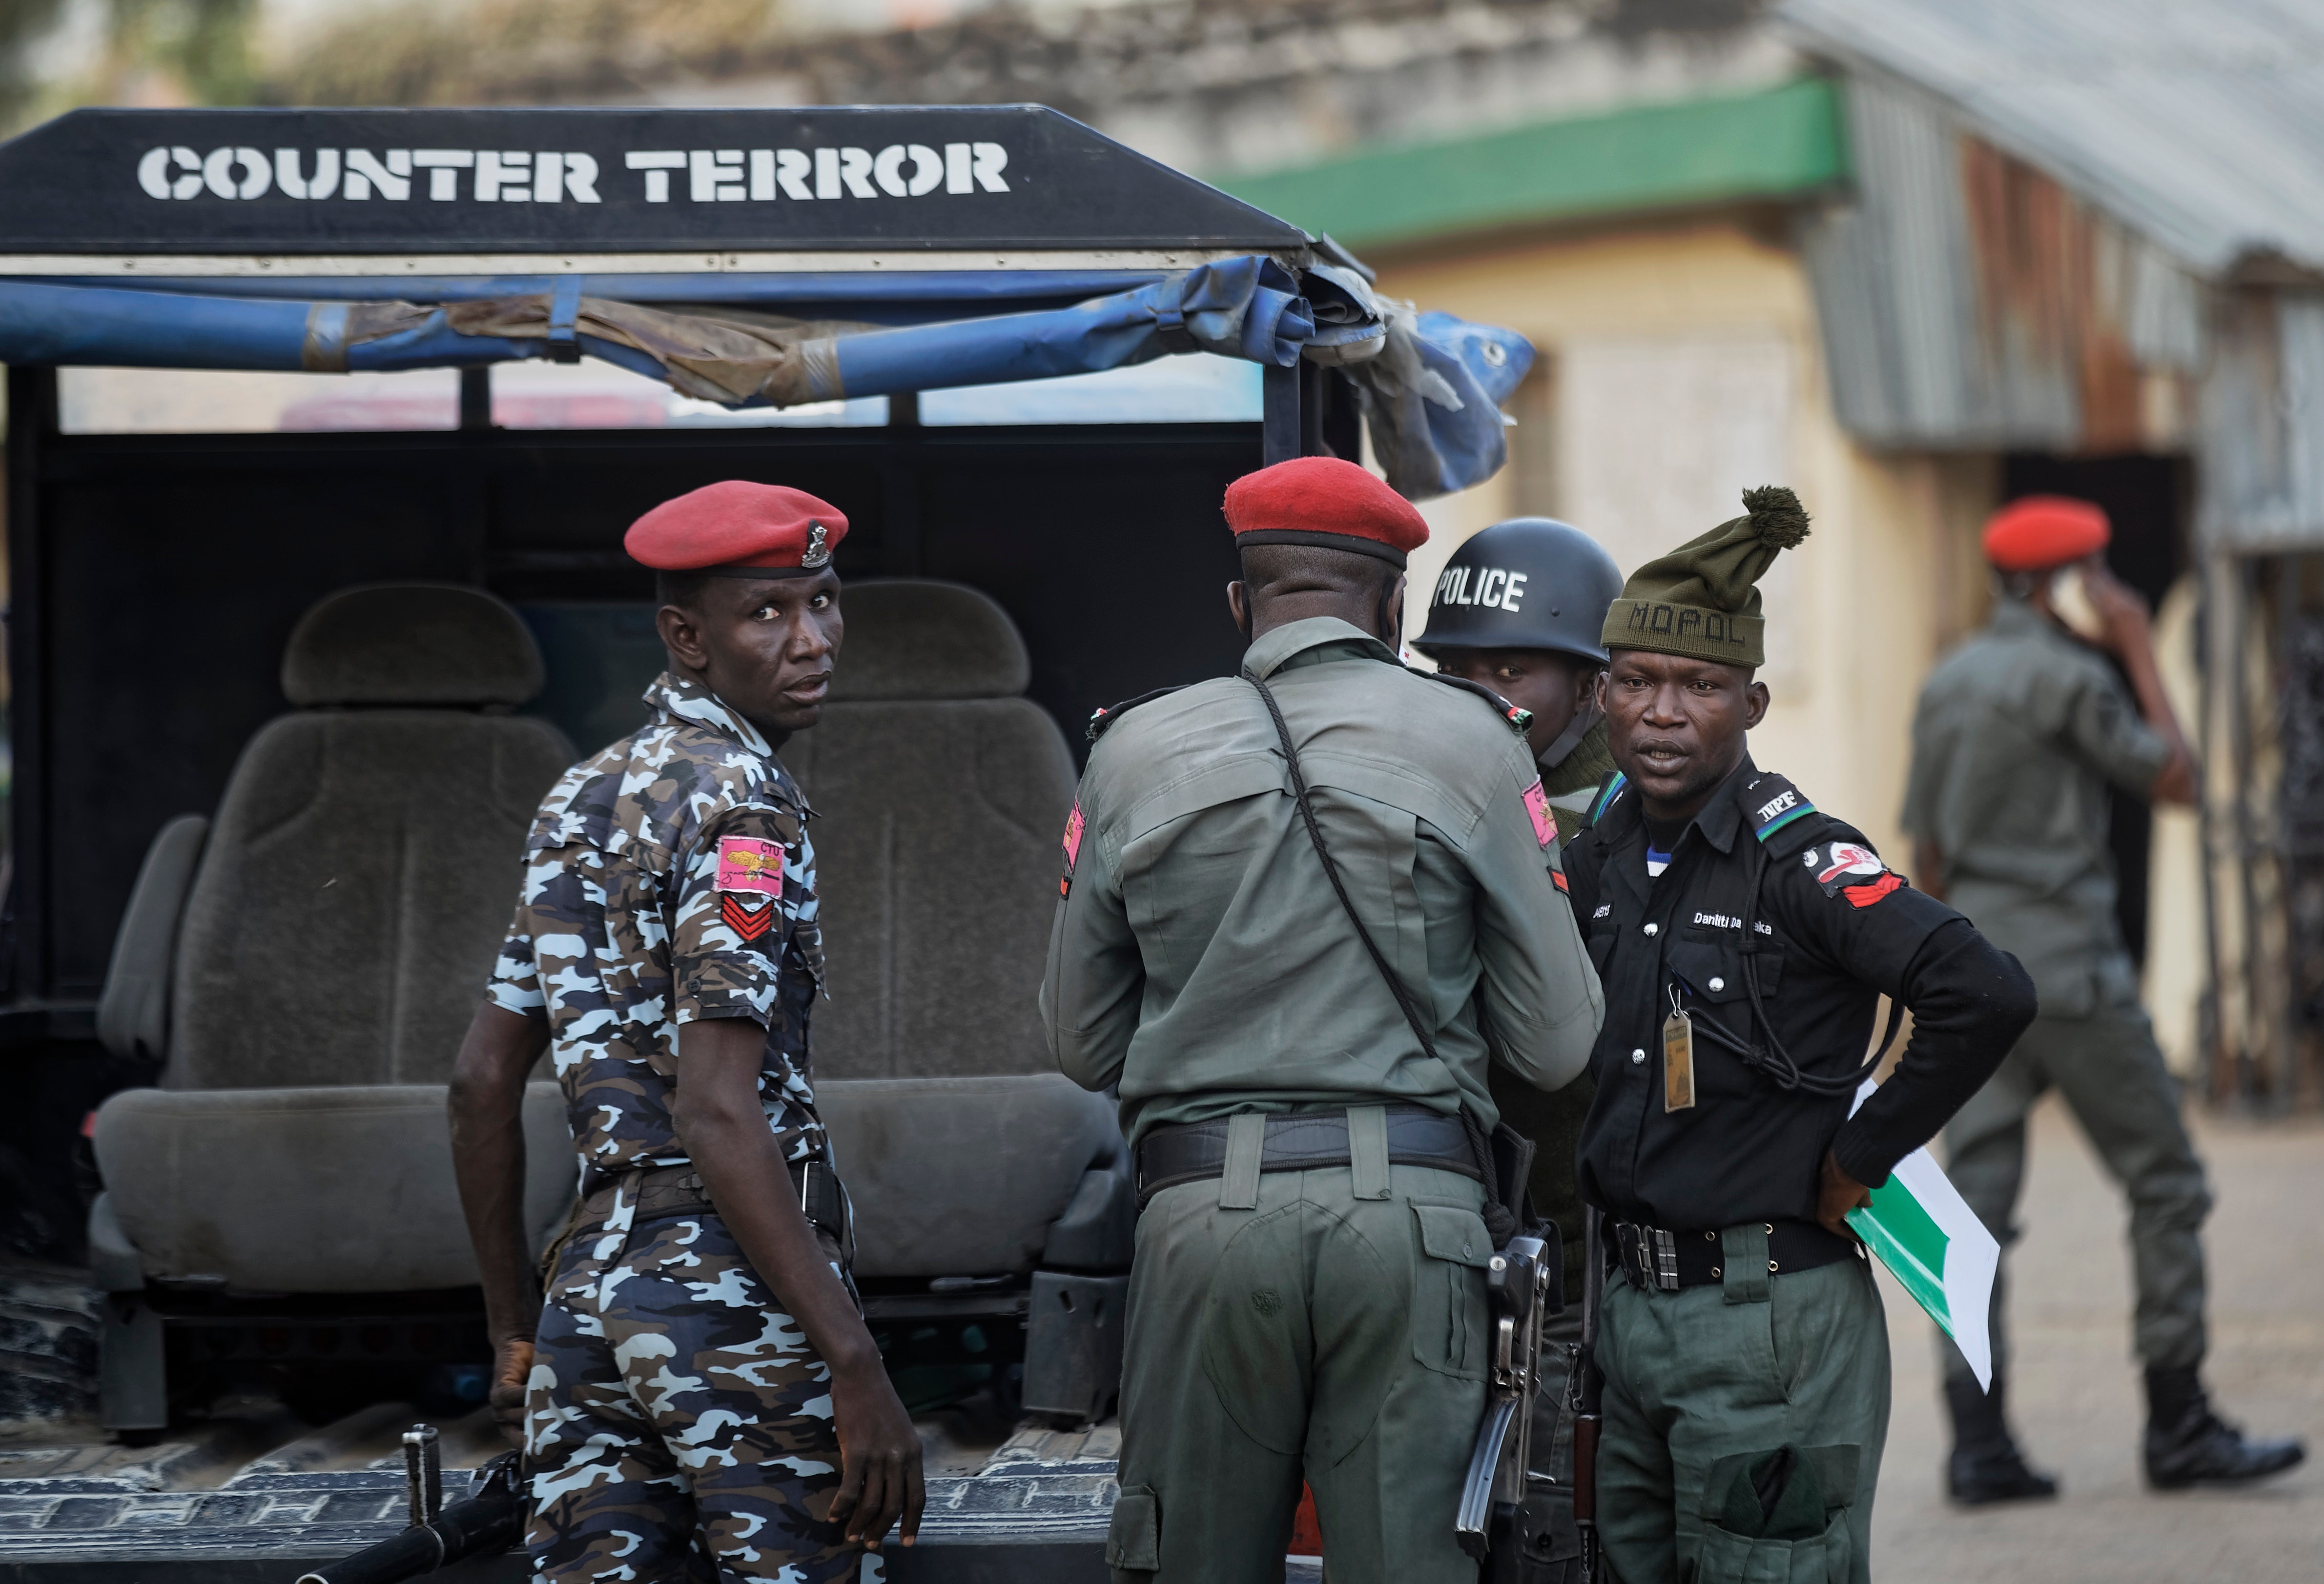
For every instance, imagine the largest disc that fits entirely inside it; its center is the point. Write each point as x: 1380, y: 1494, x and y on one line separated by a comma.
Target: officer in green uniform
x: 1745, y: 939
x: 1521, y: 608
x: 1308, y: 1298
x: 2019, y: 733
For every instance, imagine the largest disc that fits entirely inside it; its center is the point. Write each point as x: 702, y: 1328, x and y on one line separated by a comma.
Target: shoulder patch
x: 1544, y: 818
x: 1776, y: 808
x: 1851, y: 871
x: 750, y: 867
x: 750, y: 883
x: 1073, y: 845
x: 1519, y: 720
x: 1101, y: 719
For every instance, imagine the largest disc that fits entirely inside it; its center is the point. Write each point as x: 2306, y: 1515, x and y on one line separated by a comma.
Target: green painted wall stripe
x: 1772, y: 143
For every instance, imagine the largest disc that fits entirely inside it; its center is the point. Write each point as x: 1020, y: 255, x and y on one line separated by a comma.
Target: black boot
x: 1986, y: 1465
x: 2188, y: 1444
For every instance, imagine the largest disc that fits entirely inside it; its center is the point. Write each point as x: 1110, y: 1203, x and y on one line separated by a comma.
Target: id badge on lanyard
x: 1678, y: 1058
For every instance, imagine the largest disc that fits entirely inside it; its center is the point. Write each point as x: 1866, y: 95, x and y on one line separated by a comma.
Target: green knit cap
x: 1701, y: 601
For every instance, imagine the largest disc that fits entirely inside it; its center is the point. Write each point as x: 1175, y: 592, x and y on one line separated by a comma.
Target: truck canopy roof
x: 748, y: 257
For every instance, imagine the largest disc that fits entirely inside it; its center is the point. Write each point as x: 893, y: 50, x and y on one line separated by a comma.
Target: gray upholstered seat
x: 306, y: 971
x: 941, y: 793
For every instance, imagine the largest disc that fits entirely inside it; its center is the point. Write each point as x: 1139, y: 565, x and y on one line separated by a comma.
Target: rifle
x: 1500, y: 1523
x: 490, y: 1519
x: 1586, y: 1394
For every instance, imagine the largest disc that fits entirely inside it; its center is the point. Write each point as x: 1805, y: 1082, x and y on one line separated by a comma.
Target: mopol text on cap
x: 739, y: 529
x: 1701, y: 601
x: 1323, y: 501
x: 2042, y: 531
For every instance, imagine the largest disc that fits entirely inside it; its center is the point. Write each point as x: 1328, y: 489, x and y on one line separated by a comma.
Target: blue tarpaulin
x: 1431, y: 385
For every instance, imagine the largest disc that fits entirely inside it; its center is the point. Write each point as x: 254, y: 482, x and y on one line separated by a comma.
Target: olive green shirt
x: 2019, y: 731
x: 1199, y: 958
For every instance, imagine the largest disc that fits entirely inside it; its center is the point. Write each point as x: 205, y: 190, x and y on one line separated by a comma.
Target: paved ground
x: 2077, y: 1402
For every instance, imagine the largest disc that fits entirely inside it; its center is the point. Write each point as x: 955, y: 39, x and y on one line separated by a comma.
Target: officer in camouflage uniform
x: 1519, y: 608
x: 680, y: 1397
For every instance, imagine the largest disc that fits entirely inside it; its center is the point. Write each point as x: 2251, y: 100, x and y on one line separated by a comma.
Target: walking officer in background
x: 1744, y: 938
x: 1305, y: 1094
x: 2019, y: 733
x: 699, y: 1396
x: 1521, y: 608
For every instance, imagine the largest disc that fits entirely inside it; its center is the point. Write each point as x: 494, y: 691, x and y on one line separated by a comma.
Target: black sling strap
x: 1500, y: 1220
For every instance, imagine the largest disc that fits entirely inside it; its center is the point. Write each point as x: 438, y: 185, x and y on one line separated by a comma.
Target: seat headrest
x: 912, y: 639
x: 410, y: 643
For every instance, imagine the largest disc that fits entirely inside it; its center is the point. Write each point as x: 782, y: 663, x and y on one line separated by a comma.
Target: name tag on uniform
x: 1678, y: 1062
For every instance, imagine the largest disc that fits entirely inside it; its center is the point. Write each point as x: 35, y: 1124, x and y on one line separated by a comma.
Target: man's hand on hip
x: 1837, y: 1194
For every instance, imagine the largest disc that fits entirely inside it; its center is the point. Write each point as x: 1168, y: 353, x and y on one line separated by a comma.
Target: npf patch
x: 1545, y: 822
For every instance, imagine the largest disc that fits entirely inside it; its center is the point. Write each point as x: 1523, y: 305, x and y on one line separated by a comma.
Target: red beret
x: 2042, y: 531
x: 759, y: 530
x: 1323, y: 501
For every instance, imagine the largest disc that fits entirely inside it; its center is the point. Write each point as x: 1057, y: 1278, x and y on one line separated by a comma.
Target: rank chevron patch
x: 749, y: 922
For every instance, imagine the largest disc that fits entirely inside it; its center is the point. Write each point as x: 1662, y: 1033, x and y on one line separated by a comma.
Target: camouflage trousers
x: 678, y: 1425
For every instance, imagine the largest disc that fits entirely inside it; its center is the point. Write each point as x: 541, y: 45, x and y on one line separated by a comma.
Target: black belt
x: 1656, y: 1258
x: 675, y: 1191
x: 1192, y: 1152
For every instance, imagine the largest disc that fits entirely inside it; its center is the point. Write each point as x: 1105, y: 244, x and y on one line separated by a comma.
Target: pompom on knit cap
x: 1701, y: 601
x: 1777, y: 516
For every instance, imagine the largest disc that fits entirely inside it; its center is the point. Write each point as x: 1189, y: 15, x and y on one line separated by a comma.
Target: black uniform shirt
x: 1834, y: 929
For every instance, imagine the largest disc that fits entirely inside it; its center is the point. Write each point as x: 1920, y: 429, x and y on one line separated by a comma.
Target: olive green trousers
x: 1326, y: 1325
x: 1744, y: 1425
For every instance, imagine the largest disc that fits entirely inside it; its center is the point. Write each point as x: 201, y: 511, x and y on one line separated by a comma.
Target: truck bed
x: 251, y: 1493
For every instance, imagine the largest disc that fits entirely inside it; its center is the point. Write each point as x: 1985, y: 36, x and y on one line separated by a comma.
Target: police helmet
x: 1529, y: 583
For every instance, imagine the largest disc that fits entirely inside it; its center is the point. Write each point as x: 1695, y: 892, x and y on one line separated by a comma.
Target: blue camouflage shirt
x: 668, y: 878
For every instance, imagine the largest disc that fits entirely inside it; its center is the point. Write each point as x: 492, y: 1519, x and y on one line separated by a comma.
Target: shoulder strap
x: 1780, y: 813
x: 1101, y: 719
x: 1520, y: 720
x: 1499, y: 1220
x: 1609, y: 790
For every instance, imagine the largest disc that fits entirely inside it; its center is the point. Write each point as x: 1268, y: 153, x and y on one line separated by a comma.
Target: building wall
x: 1682, y: 366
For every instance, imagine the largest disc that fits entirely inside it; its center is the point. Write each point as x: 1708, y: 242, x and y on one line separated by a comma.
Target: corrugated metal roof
x: 1968, y: 299
x: 2200, y: 124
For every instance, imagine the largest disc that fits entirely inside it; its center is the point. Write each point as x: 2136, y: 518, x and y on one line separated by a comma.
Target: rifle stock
x: 492, y: 1519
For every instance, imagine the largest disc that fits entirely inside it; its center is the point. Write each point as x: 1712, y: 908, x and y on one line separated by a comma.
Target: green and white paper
x: 1920, y: 1226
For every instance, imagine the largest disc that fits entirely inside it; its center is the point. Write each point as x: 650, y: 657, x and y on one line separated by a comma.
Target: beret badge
x: 817, y: 552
